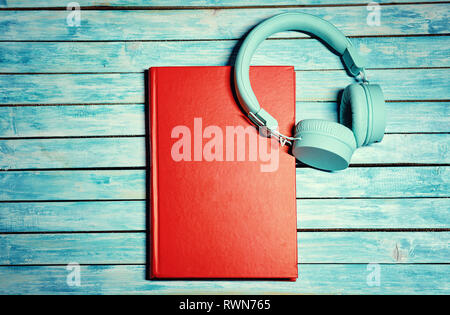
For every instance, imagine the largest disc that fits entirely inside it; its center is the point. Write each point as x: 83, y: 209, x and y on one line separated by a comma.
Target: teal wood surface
x: 129, y: 87
x: 377, y: 213
x: 136, y: 56
x: 313, y: 214
x: 314, y: 279
x: 184, y: 3
x: 130, y: 152
x: 423, y: 181
x: 125, y: 120
x: 73, y: 216
x: 212, y: 24
x: 72, y: 143
x: 313, y: 247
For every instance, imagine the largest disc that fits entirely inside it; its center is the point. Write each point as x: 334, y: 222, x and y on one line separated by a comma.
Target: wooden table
x: 72, y: 147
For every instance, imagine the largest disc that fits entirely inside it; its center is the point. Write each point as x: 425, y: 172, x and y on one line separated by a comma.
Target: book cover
x: 223, y: 198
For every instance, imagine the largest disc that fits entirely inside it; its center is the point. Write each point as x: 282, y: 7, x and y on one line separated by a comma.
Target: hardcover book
x: 223, y: 198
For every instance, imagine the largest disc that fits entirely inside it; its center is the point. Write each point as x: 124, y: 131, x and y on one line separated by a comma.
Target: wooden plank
x: 313, y: 279
x: 406, y: 148
x: 427, y: 213
x: 131, y: 152
x: 303, y: 54
x: 184, y: 3
x: 79, y: 120
x: 96, y: 248
x: 72, y: 88
x: 382, y: 182
x: 401, y: 116
x: 120, y: 120
x: 72, y: 216
x: 212, y: 23
x: 376, y: 247
x: 325, y: 87
x: 417, y: 84
x: 313, y: 247
x: 411, y: 213
x: 72, y: 185
x: 358, y: 182
x: 73, y: 153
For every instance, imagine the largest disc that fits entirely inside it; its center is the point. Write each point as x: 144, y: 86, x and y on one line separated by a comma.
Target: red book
x: 222, y: 196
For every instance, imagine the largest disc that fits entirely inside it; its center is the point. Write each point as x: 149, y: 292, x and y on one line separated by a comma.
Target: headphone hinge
x: 353, y: 61
x: 264, y: 121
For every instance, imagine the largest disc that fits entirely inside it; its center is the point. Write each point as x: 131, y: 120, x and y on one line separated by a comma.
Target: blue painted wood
x: 413, y: 117
x: 381, y: 213
x: 131, y: 152
x: 130, y: 184
x: 129, y: 88
x: 373, y: 247
x: 101, y: 120
x: 313, y: 279
x: 185, y: 3
x: 73, y: 153
x: 303, y: 54
x: 72, y: 185
x: 425, y: 188
x: 374, y: 182
x: 79, y: 120
x: 72, y: 89
x: 313, y: 247
x: 423, y: 84
x: 72, y: 216
x: 424, y: 213
x: 210, y: 23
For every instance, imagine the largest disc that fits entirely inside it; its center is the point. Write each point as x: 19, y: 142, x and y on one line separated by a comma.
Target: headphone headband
x: 285, y: 22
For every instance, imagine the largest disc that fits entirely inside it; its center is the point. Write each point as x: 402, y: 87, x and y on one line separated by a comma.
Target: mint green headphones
x: 319, y: 143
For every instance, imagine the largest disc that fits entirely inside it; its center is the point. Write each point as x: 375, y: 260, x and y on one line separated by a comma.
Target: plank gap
x: 209, y: 39
x: 142, y: 72
x: 218, y: 7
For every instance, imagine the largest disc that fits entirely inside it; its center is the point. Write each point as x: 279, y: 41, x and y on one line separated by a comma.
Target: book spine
x: 154, y: 174
x: 295, y: 181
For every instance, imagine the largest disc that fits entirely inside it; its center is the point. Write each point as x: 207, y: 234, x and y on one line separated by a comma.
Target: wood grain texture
x: 374, y: 182
x: 427, y: 213
x: 358, y: 182
x: 131, y: 152
x: 72, y: 185
x: 79, y: 120
x: 313, y: 247
x: 73, y: 88
x: 313, y: 279
x: 120, y: 120
x: 129, y: 87
x: 96, y: 72
x: 72, y: 216
x: 211, y: 23
x: 303, y: 54
x: 381, y: 213
x: 402, y: 117
x: 373, y: 247
x: 182, y: 3
x: 73, y: 153
x: 325, y: 86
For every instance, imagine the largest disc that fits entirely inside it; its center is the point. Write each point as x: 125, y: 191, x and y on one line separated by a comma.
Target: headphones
x: 319, y: 143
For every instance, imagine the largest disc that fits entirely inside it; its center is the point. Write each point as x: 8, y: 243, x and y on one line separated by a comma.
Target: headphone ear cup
x: 323, y: 144
x: 353, y: 112
x: 376, y: 112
